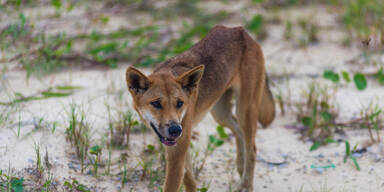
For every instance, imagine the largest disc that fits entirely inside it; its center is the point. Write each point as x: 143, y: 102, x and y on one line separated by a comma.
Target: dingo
x: 180, y: 91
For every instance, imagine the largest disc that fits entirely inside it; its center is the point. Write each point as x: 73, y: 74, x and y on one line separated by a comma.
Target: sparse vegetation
x: 75, y: 186
x: 96, y: 151
x: 318, y: 113
x: 10, y: 183
x: 58, y: 91
x: 309, y: 32
x: 78, y: 133
x: 215, y: 141
x: 121, y: 126
x: 348, y: 155
x: 363, y: 18
x: 39, y: 39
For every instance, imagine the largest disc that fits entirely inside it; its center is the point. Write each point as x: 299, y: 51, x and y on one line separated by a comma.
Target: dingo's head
x: 162, y: 99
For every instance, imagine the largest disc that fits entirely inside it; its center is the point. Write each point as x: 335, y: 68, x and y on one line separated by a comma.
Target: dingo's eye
x: 156, y: 104
x: 179, y: 104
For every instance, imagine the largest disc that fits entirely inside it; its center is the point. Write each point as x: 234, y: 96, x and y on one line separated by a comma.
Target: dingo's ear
x: 190, y: 79
x: 137, y: 82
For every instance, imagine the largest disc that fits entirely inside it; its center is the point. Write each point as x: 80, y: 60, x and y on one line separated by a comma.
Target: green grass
x: 363, y: 17
x: 142, y: 46
x: 10, y: 183
x: 317, y: 113
x: 58, y: 91
x: 121, y: 121
x: 6, y: 114
x: 96, y: 151
x: 78, y: 132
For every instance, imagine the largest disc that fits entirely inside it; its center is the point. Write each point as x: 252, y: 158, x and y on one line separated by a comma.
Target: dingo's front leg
x: 189, y: 179
x: 176, y: 157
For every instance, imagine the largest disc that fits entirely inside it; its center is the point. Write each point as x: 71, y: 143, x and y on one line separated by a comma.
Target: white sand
x: 274, y: 144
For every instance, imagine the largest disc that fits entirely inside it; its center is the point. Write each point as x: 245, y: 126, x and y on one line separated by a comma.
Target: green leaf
x: 56, y: 3
x: 135, y: 123
x: 67, y: 88
x: 212, y: 139
x: 380, y: 79
x: 347, y: 151
x: 221, y: 132
x: 355, y: 147
x: 219, y: 142
x: 326, y: 116
x: 18, y: 94
x: 329, y: 140
x: 375, y: 114
x: 380, y: 76
x: 255, y: 24
x: 203, y: 189
x: 104, y: 19
x: 79, y: 187
x: 215, y: 142
x: 17, y: 184
x: 257, y: 1
x: 70, y: 6
x: 54, y: 94
x: 346, y: 76
x: 95, y: 150
x: 22, y: 20
x: 307, y: 121
x: 360, y: 81
x: 315, y: 145
x: 355, y: 162
x: 332, y: 76
x: 67, y: 184
x: 324, y: 105
x: 150, y: 148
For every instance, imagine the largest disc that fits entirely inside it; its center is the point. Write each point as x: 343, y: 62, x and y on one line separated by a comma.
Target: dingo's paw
x: 244, y: 188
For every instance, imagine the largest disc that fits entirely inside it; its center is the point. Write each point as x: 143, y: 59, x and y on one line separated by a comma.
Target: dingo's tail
x: 267, y: 106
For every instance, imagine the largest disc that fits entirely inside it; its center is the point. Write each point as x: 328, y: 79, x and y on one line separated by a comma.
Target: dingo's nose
x: 174, y: 130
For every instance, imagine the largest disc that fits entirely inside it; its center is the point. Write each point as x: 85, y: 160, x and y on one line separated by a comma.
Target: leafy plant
x: 348, y: 155
x: 317, y: 144
x: 255, y: 25
x: 96, y: 151
x: 9, y: 183
x: 317, y: 115
x: 213, y: 143
x: 75, y: 185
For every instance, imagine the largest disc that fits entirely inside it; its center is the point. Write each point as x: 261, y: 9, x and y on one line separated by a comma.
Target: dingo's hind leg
x: 222, y: 113
x: 252, y: 81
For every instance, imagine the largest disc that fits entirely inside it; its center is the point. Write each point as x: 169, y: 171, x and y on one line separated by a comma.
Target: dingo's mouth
x: 164, y: 140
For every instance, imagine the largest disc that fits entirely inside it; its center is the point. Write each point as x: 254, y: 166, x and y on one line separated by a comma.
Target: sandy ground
x: 275, y: 144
